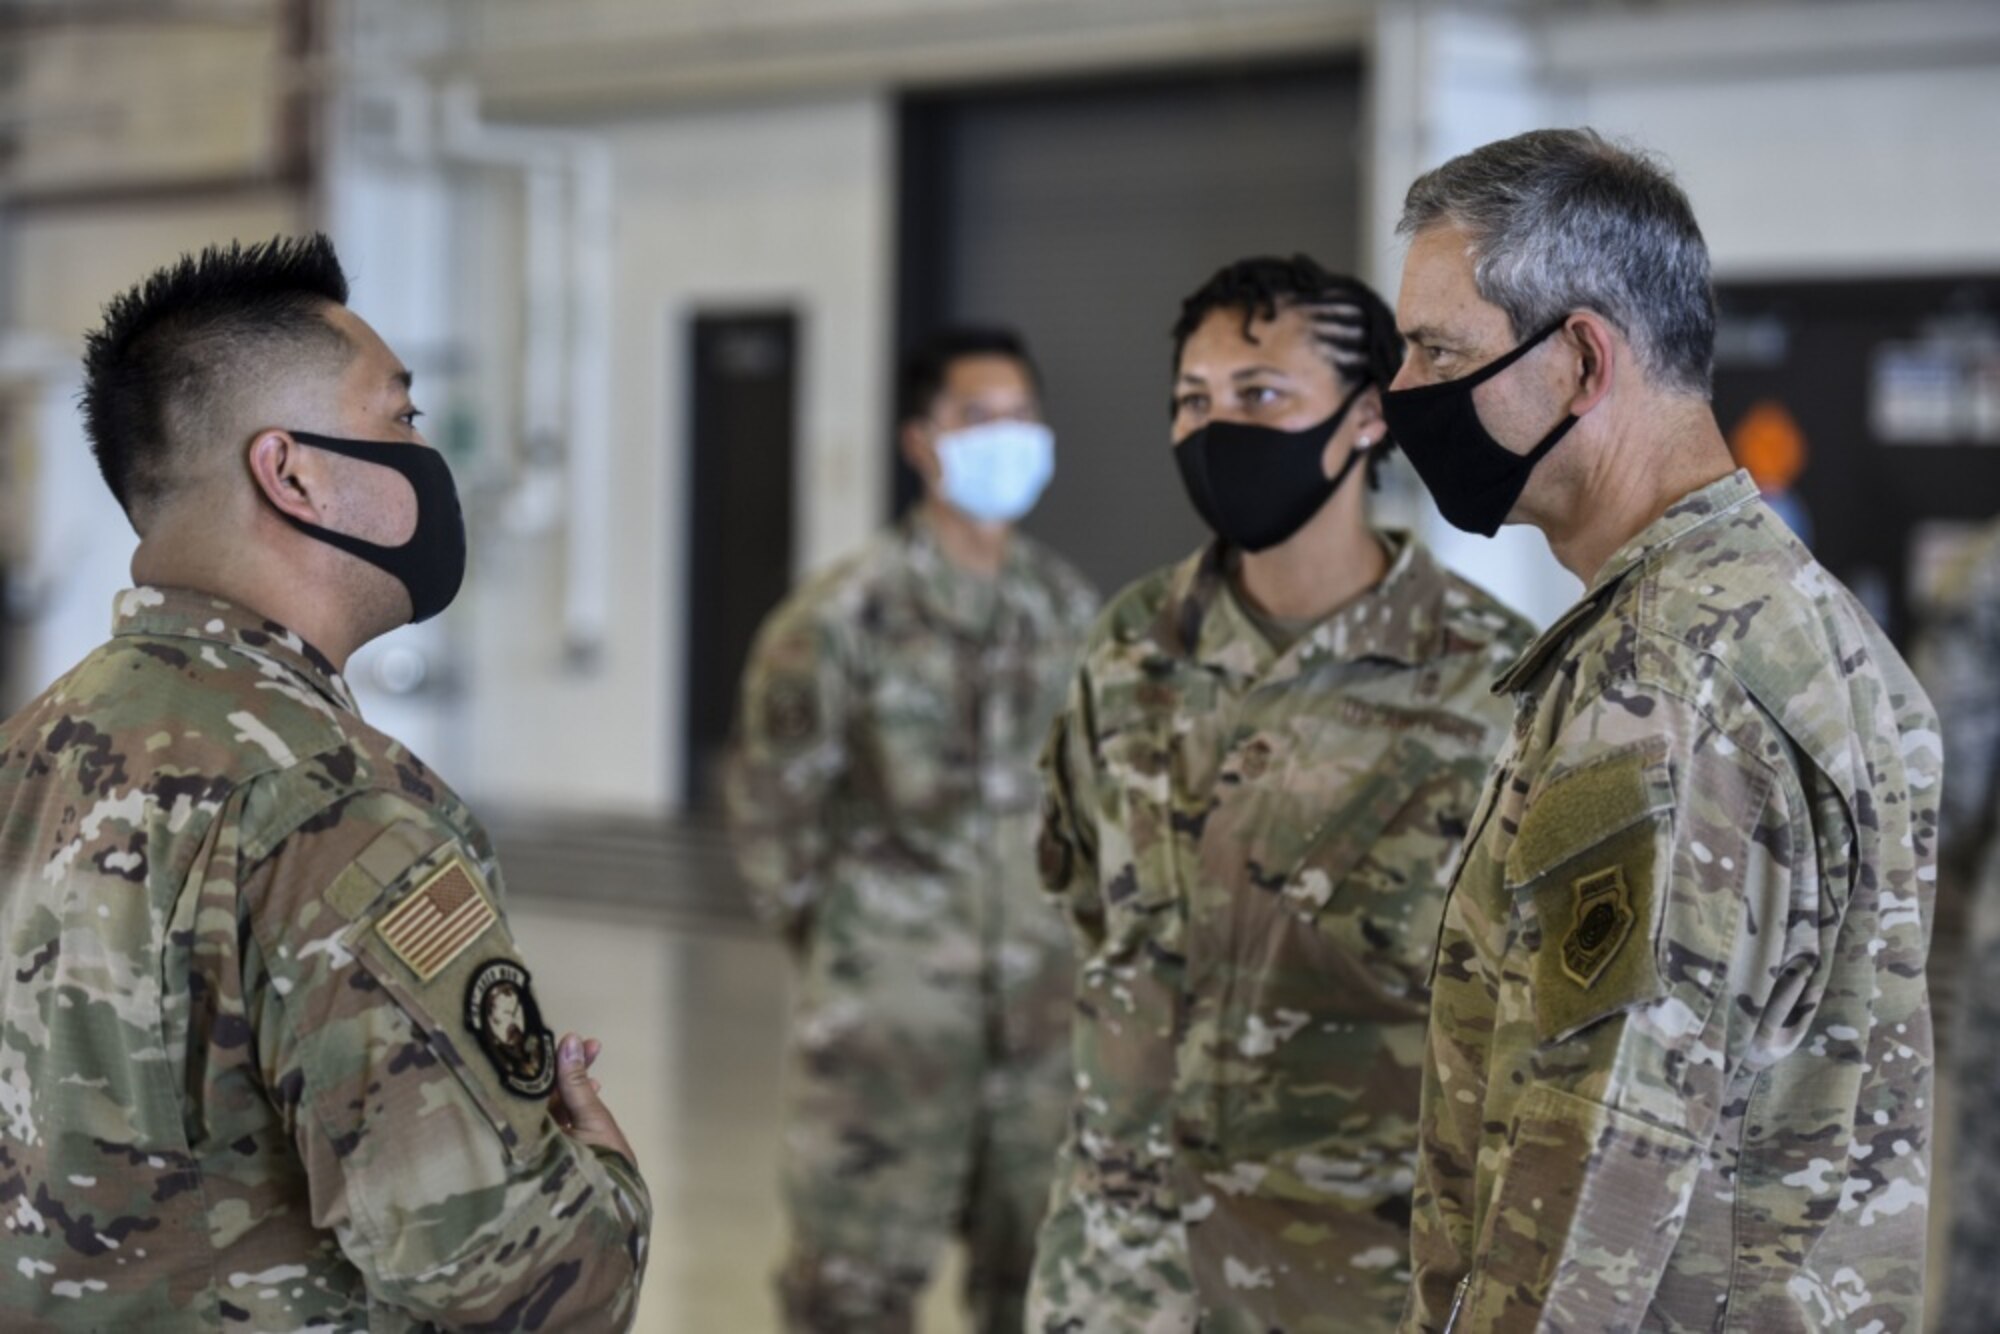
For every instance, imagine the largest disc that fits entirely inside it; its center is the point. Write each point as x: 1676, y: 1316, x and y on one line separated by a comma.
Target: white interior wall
x: 718, y: 208
x: 1442, y: 83
x: 1846, y: 158
x: 64, y: 264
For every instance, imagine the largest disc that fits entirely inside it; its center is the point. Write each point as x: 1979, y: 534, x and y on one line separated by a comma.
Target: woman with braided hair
x: 1256, y: 791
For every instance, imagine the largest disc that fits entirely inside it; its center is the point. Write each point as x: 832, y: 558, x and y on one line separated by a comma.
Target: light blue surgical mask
x: 996, y: 472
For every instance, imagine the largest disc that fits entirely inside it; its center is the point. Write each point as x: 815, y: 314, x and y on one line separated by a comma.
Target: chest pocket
x: 1359, y: 887
x: 1156, y: 741
x: 918, y: 728
x: 1588, y: 874
x: 429, y: 970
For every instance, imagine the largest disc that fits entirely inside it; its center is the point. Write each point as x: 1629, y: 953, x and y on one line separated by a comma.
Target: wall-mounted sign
x: 1941, y: 389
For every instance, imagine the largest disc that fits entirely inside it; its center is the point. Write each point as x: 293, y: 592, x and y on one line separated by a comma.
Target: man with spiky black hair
x: 1255, y: 795
x: 268, y: 1056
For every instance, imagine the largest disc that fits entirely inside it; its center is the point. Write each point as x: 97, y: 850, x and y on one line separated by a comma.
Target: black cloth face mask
x: 1473, y: 477
x: 1256, y: 485
x: 431, y: 565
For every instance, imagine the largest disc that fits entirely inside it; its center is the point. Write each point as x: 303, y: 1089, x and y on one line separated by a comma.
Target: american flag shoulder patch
x: 439, y: 921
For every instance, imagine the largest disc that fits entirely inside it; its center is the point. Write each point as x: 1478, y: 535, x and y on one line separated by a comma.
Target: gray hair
x: 1564, y: 220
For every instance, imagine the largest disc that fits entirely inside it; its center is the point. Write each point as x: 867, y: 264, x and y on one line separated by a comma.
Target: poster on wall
x: 1942, y: 388
x: 1868, y: 408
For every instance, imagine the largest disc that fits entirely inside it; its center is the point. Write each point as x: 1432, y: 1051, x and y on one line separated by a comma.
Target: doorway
x: 744, y: 391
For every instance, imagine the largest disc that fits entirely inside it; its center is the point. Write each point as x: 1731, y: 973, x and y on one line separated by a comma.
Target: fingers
x: 592, y: 1049
x: 589, y: 1120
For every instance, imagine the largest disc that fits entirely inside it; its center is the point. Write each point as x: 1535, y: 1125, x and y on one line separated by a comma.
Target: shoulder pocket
x: 1589, y: 873
x: 427, y: 927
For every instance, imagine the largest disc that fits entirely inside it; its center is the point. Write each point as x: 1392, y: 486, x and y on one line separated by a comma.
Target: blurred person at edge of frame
x: 268, y: 1054
x: 1959, y: 661
x: 1257, y: 790
x: 882, y: 792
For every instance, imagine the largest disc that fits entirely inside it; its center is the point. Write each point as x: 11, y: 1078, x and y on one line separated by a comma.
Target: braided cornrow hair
x: 1355, y: 327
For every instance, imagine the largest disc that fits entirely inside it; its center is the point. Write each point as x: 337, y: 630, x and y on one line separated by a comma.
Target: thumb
x: 586, y: 1109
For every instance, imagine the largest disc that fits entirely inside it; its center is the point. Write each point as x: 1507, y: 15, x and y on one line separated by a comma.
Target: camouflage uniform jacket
x: 891, y: 715
x: 1253, y: 846
x: 1961, y: 666
x: 1960, y: 663
x: 237, y: 1090
x: 1679, y: 1073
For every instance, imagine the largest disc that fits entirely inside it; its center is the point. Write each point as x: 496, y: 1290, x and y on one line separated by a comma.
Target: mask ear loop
x: 1354, y: 455
x: 1506, y: 359
x: 1561, y: 428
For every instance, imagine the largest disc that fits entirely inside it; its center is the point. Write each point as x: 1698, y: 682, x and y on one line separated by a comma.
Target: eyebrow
x: 1426, y: 333
x: 405, y: 378
x: 1246, y: 373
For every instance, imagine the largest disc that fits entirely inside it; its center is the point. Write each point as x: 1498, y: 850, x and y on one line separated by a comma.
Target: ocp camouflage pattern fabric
x: 226, y: 1100
x: 1679, y: 1068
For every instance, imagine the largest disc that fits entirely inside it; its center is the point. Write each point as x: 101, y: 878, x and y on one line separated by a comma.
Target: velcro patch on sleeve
x: 791, y: 711
x: 1590, y: 859
x: 439, y: 921
x: 1599, y: 918
x: 1587, y: 805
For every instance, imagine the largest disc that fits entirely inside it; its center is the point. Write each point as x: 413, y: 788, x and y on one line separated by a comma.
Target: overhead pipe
x: 566, y: 377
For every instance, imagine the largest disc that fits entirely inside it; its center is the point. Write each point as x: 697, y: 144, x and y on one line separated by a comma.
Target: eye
x: 1261, y: 395
x: 1191, y: 403
x: 409, y: 418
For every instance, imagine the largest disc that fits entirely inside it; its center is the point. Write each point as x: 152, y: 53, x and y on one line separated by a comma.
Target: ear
x: 1366, y: 418
x: 1363, y: 426
x: 289, y: 478
x: 919, y: 448
x: 1599, y: 351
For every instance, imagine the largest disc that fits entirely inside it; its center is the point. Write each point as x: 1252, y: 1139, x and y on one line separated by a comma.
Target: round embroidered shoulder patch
x: 792, y: 712
x: 500, y: 1010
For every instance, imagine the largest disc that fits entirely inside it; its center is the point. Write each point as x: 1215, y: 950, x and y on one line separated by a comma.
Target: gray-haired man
x: 1679, y: 1070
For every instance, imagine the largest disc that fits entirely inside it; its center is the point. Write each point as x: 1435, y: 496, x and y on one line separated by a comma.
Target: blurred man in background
x: 1679, y: 1067
x: 268, y: 1056
x: 883, y: 795
x: 1960, y: 663
x: 1269, y: 755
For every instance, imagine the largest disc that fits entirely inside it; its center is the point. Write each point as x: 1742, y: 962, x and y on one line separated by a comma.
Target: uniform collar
x: 1684, y: 517
x: 1400, y: 619
x: 178, y: 613
x: 961, y: 599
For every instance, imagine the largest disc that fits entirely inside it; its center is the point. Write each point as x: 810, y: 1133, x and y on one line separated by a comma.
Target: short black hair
x: 174, y: 350
x: 928, y: 364
x: 1357, y: 330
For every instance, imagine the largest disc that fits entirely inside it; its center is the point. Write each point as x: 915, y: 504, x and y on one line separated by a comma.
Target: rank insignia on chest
x: 439, y: 921
x: 1602, y: 921
x: 500, y: 1010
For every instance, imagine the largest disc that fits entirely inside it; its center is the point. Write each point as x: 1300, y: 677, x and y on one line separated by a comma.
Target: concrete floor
x: 692, y: 1019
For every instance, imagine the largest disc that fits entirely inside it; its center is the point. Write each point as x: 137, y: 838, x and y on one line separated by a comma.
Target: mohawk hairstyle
x: 172, y: 353
x: 1355, y: 328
